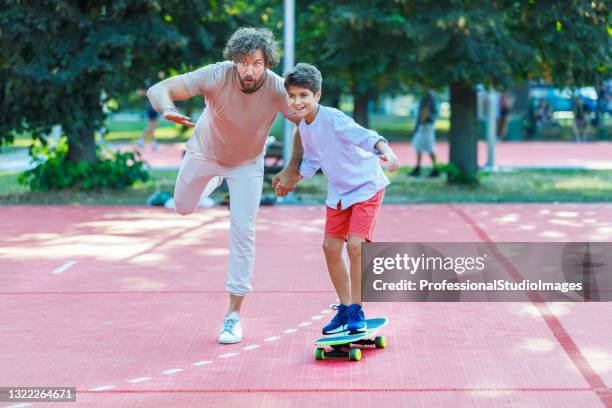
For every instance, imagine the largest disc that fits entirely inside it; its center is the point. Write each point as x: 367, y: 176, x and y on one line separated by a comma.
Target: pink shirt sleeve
x: 281, y: 96
x: 205, y: 80
x: 285, y: 109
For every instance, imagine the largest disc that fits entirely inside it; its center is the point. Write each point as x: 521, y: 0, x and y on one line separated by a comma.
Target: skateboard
x: 341, y: 344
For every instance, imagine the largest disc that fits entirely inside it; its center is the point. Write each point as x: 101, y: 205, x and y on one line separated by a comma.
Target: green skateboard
x: 341, y: 345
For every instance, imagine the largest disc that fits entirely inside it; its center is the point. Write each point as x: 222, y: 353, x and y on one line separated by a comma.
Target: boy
x: 347, y: 154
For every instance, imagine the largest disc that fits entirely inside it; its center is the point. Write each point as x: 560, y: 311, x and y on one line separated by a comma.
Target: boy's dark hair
x: 304, y: 76
x: 247, y: 40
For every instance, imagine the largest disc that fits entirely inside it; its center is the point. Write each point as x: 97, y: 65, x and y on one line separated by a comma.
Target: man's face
x: 251, y: 71
x: 303, y: 100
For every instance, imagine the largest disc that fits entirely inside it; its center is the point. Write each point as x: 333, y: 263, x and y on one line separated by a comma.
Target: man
x: 243, y: 97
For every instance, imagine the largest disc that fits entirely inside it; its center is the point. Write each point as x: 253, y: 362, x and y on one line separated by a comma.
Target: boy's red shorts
x: 358, y: 220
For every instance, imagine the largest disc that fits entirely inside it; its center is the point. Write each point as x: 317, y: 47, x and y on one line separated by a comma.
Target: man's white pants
x: 197, y: 176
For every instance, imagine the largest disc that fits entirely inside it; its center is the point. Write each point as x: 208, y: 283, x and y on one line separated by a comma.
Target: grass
x: 13, y: 193
x: 501, y: 187
x: 520, y: 185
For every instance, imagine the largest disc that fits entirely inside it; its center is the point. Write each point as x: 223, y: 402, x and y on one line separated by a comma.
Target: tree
x: 206, y: 27
x: 499, y: 43
x: 62, y: 60
x: 380, y: 46
x: 357, y: 46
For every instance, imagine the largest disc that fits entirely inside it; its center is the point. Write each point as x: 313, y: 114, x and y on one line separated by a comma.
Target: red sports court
x: 124, y: 304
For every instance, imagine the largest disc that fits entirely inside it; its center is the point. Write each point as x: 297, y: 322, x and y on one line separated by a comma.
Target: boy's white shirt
x: 345, y: 152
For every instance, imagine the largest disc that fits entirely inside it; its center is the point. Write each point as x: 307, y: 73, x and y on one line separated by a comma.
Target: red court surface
x: 590, y: 155
x: 125, y: 303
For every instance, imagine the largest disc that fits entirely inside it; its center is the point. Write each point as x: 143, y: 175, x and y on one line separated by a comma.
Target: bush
x: 53, y: 171
x: 456, y: 176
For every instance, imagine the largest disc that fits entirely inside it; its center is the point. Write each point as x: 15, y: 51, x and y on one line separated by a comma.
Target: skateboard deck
x: 339, y: 343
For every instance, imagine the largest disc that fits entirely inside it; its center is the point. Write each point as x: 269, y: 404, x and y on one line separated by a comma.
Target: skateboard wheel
x: 380, y: 341
x: 355, y: 354
x: 319, y: 354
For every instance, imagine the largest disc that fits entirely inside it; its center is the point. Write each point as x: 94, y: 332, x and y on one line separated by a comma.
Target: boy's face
x: 303, y: 100
x: 251, y: 71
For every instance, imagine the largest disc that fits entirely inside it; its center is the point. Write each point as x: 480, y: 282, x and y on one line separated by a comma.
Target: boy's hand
x: 285, y: 181
x: 387, y: 155
x: 391, y: 160
x: 173, y: 115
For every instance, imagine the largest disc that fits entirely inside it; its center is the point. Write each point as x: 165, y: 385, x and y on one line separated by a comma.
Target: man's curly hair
x: 247, y: 40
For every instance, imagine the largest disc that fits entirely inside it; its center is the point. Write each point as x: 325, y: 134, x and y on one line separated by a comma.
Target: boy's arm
x: 310, y: 165
x: 366, y: 139
x: 351, y: 132
x: 286, y: 180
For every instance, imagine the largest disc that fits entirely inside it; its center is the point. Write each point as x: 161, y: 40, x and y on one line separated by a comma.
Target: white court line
x: 103, y: 388
x: 19, y: 406
x: 65, y: 267
x: 201, y: 363
x: 139, y: 379
x: 204, y: 362
x: 172, y: 371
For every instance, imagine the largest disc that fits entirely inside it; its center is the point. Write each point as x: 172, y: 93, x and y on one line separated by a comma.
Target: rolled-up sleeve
x: 310, y: 165
x: 351, y: 132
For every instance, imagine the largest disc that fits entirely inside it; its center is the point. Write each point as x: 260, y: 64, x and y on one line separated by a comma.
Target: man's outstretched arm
x: 286, y: 180
x: 162, y: 96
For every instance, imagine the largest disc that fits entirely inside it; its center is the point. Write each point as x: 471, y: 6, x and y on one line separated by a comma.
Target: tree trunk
x: 463, y: 134
x: 82, y: 146
x: 360, y: 111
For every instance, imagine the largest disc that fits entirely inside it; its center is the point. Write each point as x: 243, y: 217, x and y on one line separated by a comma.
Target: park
x: 499, y: 113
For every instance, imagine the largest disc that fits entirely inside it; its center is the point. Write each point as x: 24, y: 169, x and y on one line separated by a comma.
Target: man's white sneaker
x: 170, y: 204
x: 231, y: 331
x: 206, y: 202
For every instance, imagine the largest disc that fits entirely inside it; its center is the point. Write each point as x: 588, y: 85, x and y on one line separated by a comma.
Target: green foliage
x: 380, y: 46
x: 503, y: 42
x: 455, y: 176
x: 62, y: 62
x: 53, y: 170
x: 358, y: 47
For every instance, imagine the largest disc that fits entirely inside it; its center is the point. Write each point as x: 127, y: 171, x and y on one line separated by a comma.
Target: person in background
x: 424, y: 140
x: 581, y: 120
x: 148, y: 135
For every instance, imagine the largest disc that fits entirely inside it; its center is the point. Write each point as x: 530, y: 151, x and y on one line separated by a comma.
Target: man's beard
x: 253, y: 86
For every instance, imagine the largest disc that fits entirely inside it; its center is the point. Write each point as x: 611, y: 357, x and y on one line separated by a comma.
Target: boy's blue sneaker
x: 356, y: 319
x: 338, y: 323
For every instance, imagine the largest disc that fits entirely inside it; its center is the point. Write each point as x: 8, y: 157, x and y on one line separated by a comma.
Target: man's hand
x: 285, y: 181
x: 173, y: 115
